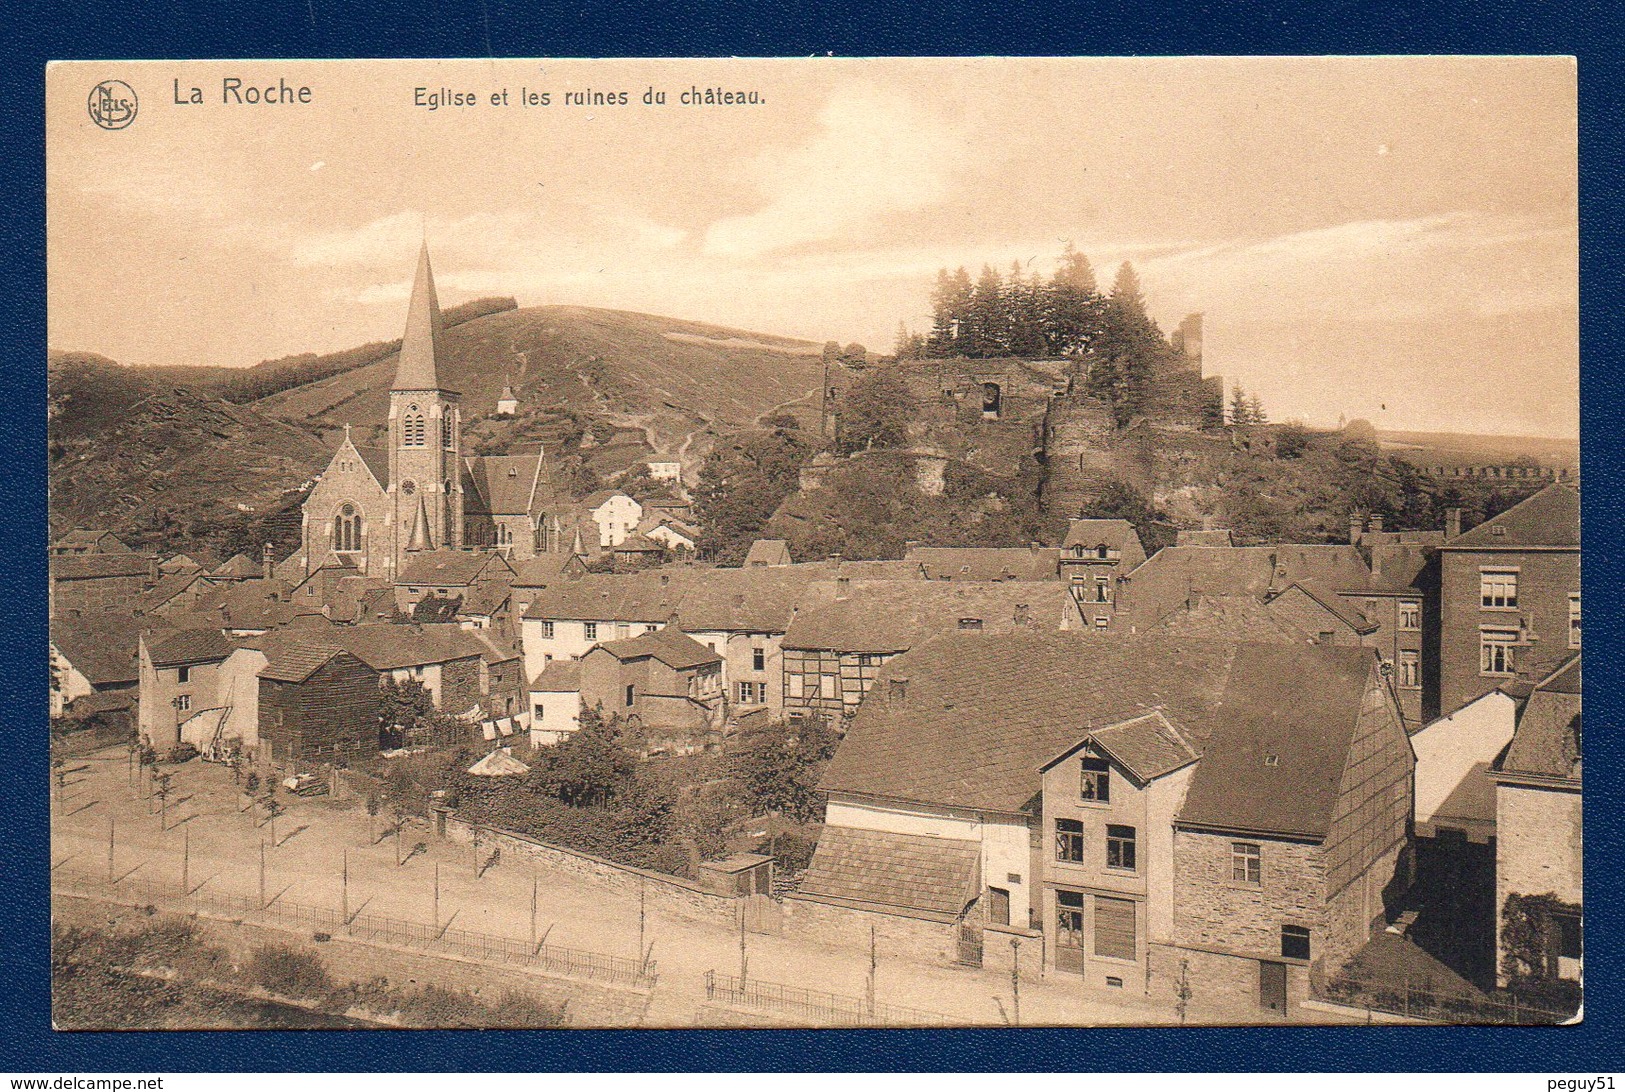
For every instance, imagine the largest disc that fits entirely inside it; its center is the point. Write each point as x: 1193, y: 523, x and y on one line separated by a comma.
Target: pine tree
x: 1126, y: 291
x: 987, y: 334
x: 1075, y: 272
x: 1255, y: 410
x: 1022, y: 320
x: 1241, y: 411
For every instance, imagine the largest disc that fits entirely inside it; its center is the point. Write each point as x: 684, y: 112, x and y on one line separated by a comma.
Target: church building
x: 374, y: 510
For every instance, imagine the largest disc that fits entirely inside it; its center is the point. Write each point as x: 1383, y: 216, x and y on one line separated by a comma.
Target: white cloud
x: 874, y: 154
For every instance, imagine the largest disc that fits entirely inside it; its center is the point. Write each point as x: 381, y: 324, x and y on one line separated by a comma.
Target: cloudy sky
x: 1385, y: 238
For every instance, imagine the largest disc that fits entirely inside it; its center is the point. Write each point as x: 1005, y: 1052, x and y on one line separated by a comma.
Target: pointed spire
x: 420, y: 530
x: 577, y: 547
x: 421, y: 346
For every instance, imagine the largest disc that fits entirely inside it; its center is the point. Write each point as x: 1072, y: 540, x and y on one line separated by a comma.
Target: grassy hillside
x: 671, y: 378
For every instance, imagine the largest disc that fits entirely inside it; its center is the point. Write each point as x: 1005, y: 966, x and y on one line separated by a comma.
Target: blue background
x: 321, y: 28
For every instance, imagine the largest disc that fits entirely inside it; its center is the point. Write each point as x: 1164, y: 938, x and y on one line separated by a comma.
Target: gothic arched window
x: 413, y: 432
x: 347, y: 527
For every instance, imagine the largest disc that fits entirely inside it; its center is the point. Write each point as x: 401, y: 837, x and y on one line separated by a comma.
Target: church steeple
x: 422, y: 345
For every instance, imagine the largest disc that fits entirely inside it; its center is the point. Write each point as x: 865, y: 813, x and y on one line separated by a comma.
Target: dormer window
x: 1095, y: 780
x: 970, y: 625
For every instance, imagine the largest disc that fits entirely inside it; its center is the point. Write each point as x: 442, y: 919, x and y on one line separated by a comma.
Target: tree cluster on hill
x: 874, y: 413
x: 272, y: 376
x: 1022, y: 315
x: 741, y: 484
x: 1246, y: 409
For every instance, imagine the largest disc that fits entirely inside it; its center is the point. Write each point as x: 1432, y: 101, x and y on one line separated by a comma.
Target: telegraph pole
x: 874, y: 965
x: 1015, y: 977
x: 641, y: 885
x: 262, y: 875
x: 533, y: 944
x: 344, y: 888
x: 110, y: 828
x: 186, y: 860
x: 437, y: 896
x: 744, y: 963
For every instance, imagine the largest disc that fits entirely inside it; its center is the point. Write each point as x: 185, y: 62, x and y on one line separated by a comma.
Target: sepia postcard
x: 814, y: 543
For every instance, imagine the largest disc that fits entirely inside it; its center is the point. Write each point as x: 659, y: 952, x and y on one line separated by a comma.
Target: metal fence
x: 550, y: 958
x: 1424, y: 1001
x: 815, y: 1006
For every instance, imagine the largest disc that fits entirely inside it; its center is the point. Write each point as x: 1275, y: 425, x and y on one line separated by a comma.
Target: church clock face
x: 409, y: 487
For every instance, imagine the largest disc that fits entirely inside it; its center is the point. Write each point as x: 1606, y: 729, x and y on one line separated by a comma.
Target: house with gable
x: 86, y: 541
x: 1539, y: 854
x: 833, y: 652
x: 1291, y: 846
x: 565, y: 620
x: 987, y: 563
x: 666, y: 684
x: 990, y: 786
x: 616, y: 515
x: 1509, y: 598
x: 1094, y: 553
x: 460, y: 581
x: 94, y: 654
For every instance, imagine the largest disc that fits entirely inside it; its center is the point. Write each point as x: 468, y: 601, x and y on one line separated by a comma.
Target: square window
x: 1495, y: 651
x: 1069, y: 840
x: 758, y: 659
x: 1120, y: 847
x: 589, y: 630
x: 1246, y: 863
x: 1095, y: 780
x: 184, y: 702
x: 1410, y: 614
x: 183, y: 674
x: 1294, y: 942
x: 547, y: 631
x: 1498, y: 588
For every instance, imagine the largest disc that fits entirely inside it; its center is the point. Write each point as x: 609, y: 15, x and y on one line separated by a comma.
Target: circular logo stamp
x: 112, y: 104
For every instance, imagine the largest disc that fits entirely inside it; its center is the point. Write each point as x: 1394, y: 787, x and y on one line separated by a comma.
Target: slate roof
x: 981, y: 714
x: 893, y: 615
x: 1147, y: 746
x: 238, y: 565
x: 597, y: 498
x: 986, y: 563
x: 1395, y: 568
x: 385, y: 647
x: 1112, y: 533
x: 1546, y: 741
x: 169, y: 586
x: 180, y: 563
x: 767, y: 551
x: 1337, y: 607
x: 422, y: 346
x: 755, y: 600
x: 98, y: 566
x: 104, y: 701
x: 559, y: 677
x: 541, y: 570
x: 910, y: 872
x: 296, y: 661
x: 671, y: 646
x: 508, y: 485
x: 376, y: 460
x: 446, y: 567
x: 1229, y: 618
x: 104, y: 647
x: 251, y: 604
x: 1550, y: 518
x: 637, y: 597
x: 1238, y: 570
x: 638, y: 544
x: 190, y: 646
x: 1300, y: 704
x: 1323, y: 565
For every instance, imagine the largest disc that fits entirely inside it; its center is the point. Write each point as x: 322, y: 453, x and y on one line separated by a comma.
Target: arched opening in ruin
x: 992, y: 401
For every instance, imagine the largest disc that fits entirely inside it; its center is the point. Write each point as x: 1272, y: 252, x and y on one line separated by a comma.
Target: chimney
x: 267, y: 562
x: 843, y: 587
x: 1034, y: 546
x: 1376, y: 525
x: 1356, y: 525
x: 1023, y: 613
x: 1452, y: 523
x: 152, y: 569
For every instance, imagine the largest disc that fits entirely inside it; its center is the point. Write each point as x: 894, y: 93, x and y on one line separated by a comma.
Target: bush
x: 288, y: 971
x: 792, y: 852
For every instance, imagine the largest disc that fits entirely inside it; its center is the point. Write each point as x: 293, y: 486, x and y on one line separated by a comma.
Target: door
x: 998, y: 906
x: 970, y: 943
x: 1069, y: 932
x: 1272, y: 985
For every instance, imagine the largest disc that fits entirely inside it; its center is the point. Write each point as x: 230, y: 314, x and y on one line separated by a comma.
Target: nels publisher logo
x: 112, y: 104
